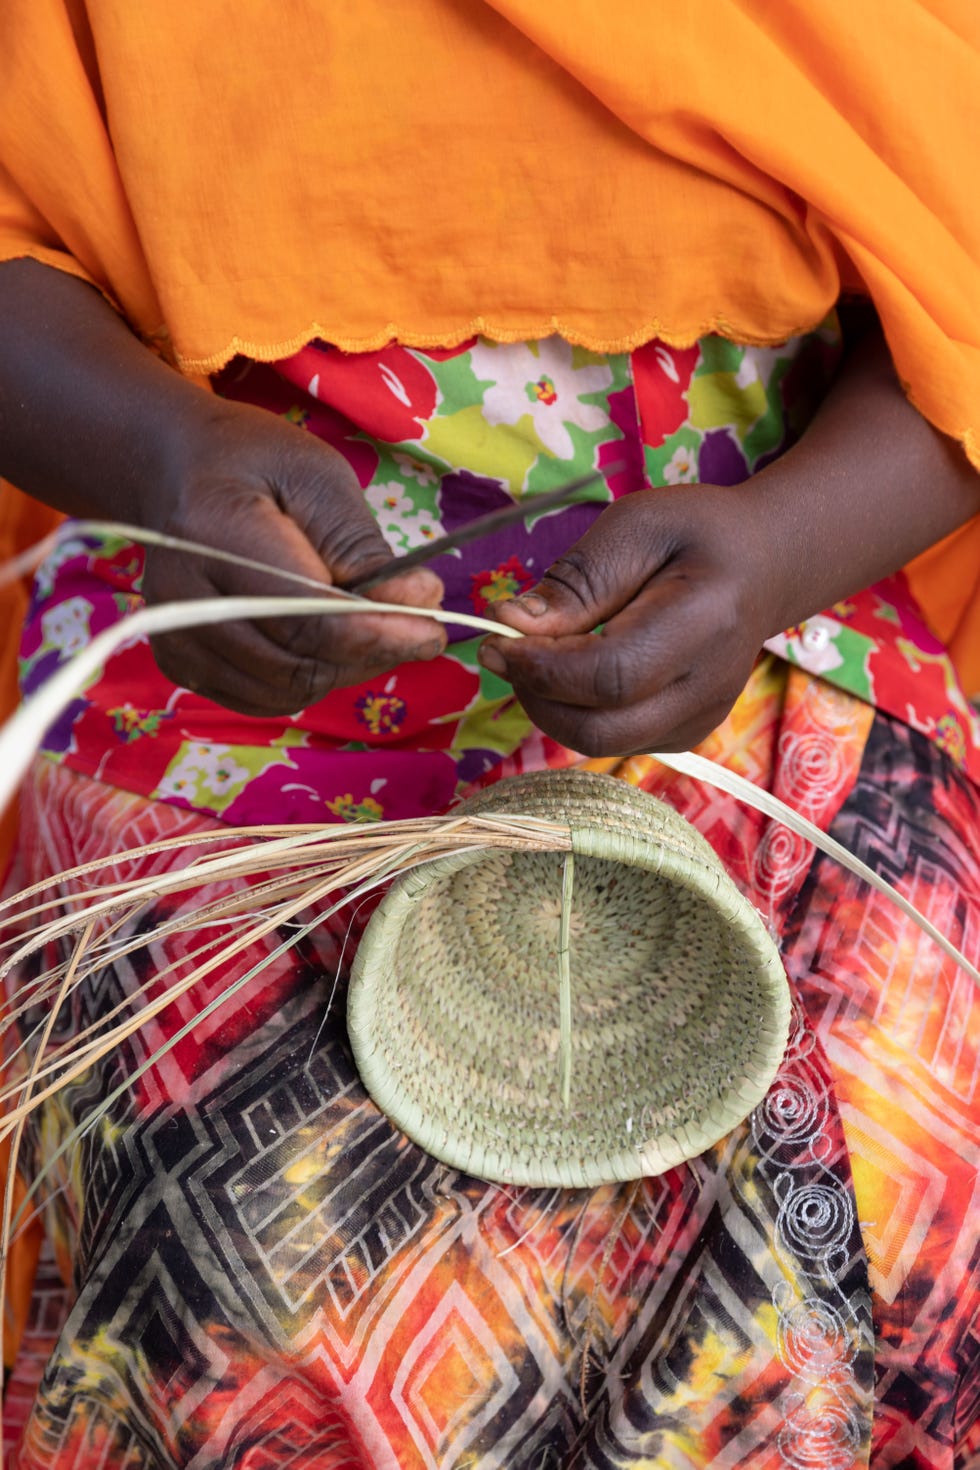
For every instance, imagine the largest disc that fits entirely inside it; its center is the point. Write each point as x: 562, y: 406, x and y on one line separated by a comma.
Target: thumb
x: 596, y: 577
x: 325, y: 501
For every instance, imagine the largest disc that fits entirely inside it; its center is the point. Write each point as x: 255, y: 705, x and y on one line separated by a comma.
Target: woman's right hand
x: 92, y: 423
x: 247, y: 482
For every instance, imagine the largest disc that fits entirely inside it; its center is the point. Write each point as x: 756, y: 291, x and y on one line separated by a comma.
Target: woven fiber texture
x: 679, y: 1000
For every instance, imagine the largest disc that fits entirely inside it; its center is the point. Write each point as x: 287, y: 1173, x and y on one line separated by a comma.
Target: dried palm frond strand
x: 370, y: 858
x: 23, y: 564
x: 687, y: 763
x: 360, y: 861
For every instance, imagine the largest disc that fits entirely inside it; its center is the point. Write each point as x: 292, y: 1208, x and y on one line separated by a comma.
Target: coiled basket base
x: 679, y: 1000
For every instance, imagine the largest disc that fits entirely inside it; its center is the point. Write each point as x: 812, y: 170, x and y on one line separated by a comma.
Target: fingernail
x: 531, y: 603
x: 428, y: 650
x: 491, y: 658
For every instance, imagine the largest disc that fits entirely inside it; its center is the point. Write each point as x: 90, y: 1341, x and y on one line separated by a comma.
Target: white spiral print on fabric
x: 825, y: 1438
x: 779, y: 860
x: 792, y: 1111
x: 813, y: 1340
x: 811, y: 770
x: 816, y: 1338
x: 815, y: 1221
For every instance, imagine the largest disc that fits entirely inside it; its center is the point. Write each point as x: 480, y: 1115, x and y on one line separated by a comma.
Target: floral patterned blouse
x: 437, y: 438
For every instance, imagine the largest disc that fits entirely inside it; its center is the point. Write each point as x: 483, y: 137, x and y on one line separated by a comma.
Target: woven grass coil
x: 679, y: 1000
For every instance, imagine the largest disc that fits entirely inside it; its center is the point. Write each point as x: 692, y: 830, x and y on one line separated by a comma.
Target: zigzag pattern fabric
x: 266, y: 1274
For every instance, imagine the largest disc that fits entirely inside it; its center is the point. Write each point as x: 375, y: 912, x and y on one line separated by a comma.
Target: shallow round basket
x: 680, y: 1003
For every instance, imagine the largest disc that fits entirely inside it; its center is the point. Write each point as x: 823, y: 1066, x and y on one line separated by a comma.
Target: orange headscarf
x: 240, y: 178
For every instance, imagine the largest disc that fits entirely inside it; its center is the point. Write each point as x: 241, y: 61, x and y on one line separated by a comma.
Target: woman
x: 640, y: 276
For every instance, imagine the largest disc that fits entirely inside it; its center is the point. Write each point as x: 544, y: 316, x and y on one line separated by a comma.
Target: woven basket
x: 680, y: 1004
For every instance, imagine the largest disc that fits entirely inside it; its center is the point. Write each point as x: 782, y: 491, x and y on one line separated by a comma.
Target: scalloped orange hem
x: 653, y: 329
x: 494, y: 332
x: 159, y: 340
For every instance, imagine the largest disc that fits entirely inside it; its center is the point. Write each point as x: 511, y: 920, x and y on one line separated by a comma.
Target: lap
x: 266, y: 1272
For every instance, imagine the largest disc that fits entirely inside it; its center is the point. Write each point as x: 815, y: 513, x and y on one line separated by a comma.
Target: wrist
x: 869, y: 486
x: 785, y: 558
x: 90, y: 420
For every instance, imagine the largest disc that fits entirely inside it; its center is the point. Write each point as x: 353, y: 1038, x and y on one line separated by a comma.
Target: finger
x: 372, y: 640
x: 241, y: 696
x: 599, y: 575
x: 676, y: 719
x: 651, y: 644
x: 321, y: 496
x: 313, y: 663
x: 379, y: 640
x: 249, y: 649
x: 230, y: 680
x: 418, y: 587
x: 238, y: 666
x: 304, y: 683
x: 245, y: 520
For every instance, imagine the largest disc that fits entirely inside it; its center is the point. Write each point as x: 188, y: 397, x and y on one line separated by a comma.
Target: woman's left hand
x: 690, y: 581
x: 684, y: 583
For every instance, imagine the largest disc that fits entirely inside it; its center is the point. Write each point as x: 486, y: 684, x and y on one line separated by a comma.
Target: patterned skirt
x: 265, y: 1273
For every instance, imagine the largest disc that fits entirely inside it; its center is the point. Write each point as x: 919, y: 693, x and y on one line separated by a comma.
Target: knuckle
x: 576, y: 574
x: 301, y: 688
x: 693, y: 736
x: 321, y: 494
x: 303, y: 496
x: 686, y: 734
x: 532, y: 679
x: 587, y: 732
x: 294, y: 636
x: 304, y: 465
x: 611, y: 680
x: 171, y: 659
x: 726, y: 687
x: 352, y: 544
x: 309, y: 681
x: 718, y: 712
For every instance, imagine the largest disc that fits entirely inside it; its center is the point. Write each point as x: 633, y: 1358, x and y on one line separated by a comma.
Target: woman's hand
x: 252, y: 484
x: 93, y: 424
x: 689, y: 582
x: 682, y: 582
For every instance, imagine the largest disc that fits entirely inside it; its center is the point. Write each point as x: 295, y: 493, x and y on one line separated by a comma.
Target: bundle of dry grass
x: 295, y: 879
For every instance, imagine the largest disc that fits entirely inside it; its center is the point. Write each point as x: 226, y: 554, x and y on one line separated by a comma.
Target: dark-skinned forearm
x: 869, y: 486
x: 93, y: 423
x: 86, y: 411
